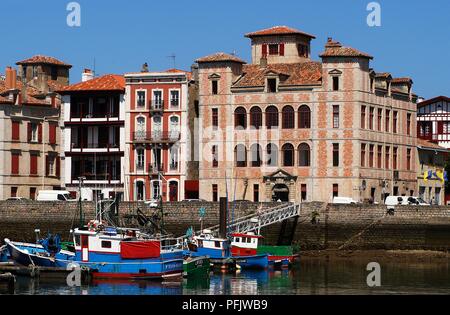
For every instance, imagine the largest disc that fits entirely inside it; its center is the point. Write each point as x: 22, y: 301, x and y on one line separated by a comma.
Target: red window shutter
x: 15, y: 163
x: 440, y: 127
x: 33, y: 164
x: 282, y: 49
x: 58, y: 163
x: 29, y: 132
x: 264, y: 50
x: 15, y: 130
x: 52, y: 133
x: 40, y: 133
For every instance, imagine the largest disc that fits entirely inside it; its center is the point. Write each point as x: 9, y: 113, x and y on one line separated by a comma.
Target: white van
x: 344, y: 201
x: 54, y: 195
x: 392, y: 201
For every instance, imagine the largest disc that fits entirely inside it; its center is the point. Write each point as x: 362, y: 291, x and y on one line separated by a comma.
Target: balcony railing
x: 95, y: 145
x: 156, y: 136
x: 154, y: 168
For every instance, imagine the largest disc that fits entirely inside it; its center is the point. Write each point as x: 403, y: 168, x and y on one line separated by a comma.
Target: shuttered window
x: 15, y: 131
x: 15, y: 163
x: 33, y: 164
x: 52, y: 133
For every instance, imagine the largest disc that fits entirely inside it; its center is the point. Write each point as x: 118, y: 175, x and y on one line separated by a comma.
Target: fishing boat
x: 247, y: 244
x: 219, y: 249
x: 4, y: 254
x: 196, y: 266
x: 36, y: 254
x: 111, y: 252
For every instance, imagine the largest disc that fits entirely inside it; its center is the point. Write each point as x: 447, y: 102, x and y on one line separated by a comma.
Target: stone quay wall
x: 320, y: 225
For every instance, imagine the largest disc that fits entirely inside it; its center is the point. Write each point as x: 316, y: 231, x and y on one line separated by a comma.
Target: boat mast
x: 80, y: 205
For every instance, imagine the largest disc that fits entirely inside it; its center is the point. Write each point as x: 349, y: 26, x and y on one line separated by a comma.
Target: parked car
x: 152, y: 203
x: 392, y: 201
x: 54, y: 195
x: 344, y: 201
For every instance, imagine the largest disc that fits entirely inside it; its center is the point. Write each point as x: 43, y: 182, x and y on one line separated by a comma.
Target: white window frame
x: 137, y: 98
x: 179, y: 99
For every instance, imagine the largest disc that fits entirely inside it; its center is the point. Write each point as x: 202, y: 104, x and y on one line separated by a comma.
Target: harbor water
x: 317, y: 275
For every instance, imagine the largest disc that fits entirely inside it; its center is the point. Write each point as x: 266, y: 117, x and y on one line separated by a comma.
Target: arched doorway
x: 280, y: 192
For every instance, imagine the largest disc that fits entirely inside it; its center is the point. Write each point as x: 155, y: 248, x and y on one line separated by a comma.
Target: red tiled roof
x: 43, y: 59
x: 278, y: 30
x: 335, y: 49
x: 382, y: 74
x: 401, y: 80
x: 304, y: 73
x: 427, y: 144
x: 220, y: 56
x: 54, y: 85
x: 109, y: 82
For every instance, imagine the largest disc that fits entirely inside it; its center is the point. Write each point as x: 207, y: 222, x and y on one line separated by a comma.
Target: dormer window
x: 272, y: 85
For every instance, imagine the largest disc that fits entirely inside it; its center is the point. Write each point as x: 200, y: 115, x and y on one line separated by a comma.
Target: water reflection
x: 309, y: 276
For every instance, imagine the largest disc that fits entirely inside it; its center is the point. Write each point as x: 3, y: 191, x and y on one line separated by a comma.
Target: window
x: 273, y: 49
x: 33, y: 193
x: 50, y: 169
x: 288, y: 117
x: 255, y: 193
x: 15, y: 163
x: 335, y: 190
x: 215, y: 161
x: 140, y: 99
x: 255, y: 117
x: 174, y: 98
x: 34, y: 132
x: 394, y: 122
x: 388, y: 120
x: 380, y: 156
x: 240, y: 155
x: 158, y: 102
x: 304, y: 117
x: 217, y: 244
x: 215, y: 118
x: 335, y: 116
x: 387, y: 158
x: 33, y: 164
x: 13, y: 191
x: 303, y: 192
x: 363, y: 155
x: 256, y: 153
x: 380, y: 119
x: 140, y: 159
x: 215, y: 193
x: 335, y: 83
x: 215, y: 87
x: 140, y: 191
x: 371, y: 155
x: 335, y: 154
x: 271, y: 117
x: 394, y: 158
x: 240, y: 118
x: 272, y: 154
x: 408, y: 124
x: 54, y: 73
x: 304, y: 155
x: 156, y: 191
x: 15, y: 131
x: 288, y: 154
x: 371, y: 117
x: 271, y: 85
x: 106, y: 244
x: 302, y: 50
x: 363, y: 117
x: 408, y: 159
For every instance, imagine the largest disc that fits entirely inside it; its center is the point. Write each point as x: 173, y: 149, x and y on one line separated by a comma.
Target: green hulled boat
x: 196, y: 266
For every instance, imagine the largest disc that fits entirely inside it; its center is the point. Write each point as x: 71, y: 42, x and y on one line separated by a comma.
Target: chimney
x: 87, y: 75
x: 144, y: 67
x: 10, y: 78
x: 42, y: 82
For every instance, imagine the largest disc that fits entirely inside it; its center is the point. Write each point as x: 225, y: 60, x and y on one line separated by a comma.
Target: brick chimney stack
x: 10, y: 78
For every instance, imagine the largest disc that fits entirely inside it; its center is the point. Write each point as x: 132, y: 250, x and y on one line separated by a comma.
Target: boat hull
x: 4, y: 254
x: 252, y: 262
x: 196, y: 267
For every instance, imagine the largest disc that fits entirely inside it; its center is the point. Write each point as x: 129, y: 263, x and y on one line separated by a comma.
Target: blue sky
x: 413, y: 40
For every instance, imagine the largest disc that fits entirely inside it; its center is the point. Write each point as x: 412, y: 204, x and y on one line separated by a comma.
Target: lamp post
x: 43, y: 148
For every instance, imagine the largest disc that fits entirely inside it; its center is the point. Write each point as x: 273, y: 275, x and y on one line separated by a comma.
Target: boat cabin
x: 208, y: 245
x: 244, y: 244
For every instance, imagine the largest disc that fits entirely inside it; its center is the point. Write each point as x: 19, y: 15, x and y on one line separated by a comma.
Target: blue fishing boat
x: 111, y: 252
x: 36, y: 254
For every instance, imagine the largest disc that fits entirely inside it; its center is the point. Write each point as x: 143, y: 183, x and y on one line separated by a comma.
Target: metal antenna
x: 174, y: 57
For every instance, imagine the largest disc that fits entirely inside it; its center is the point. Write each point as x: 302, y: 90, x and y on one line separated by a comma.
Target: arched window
x: 304, y: 155
x: 256, y: 117
x: 240, y: 118
x: 304, y: 117
x: 288, y: 117
x: 272, y: 155
x: 240, y: 155
x: 288, y: 154
x: 140, y: 128
x: 256, y: 153
x: 271, y: 117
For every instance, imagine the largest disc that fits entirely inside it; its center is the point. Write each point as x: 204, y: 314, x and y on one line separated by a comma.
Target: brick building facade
x: 285, y: 127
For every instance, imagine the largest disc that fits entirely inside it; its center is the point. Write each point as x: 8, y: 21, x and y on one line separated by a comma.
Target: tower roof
x: 278, y: 30
x: 41, y: 59
x: 108, y: 82
x: 335, y: 49
x: 220, y: 56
